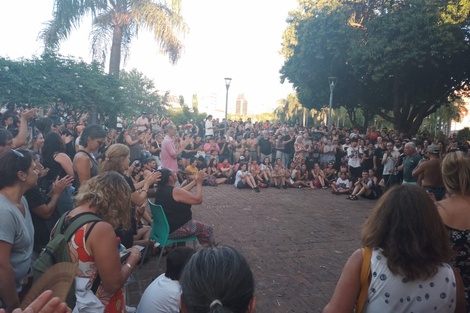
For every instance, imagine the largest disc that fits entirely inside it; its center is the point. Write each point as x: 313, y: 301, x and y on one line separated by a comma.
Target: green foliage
x: 43, y: 82
x: 400, y: 60
x: 75, y: 86
x: 464, y: 134
x: 139, y: 94
x: 116, y: 23
x: 183, y: 115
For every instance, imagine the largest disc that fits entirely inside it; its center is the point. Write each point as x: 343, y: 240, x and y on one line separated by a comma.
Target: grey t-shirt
x: 18, y: 231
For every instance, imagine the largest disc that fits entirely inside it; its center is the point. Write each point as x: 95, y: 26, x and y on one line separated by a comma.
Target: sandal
x: 354, y: 198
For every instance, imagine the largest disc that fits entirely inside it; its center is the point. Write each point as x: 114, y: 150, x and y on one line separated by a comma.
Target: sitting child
x: 279, y: 178
x: 341, y: 185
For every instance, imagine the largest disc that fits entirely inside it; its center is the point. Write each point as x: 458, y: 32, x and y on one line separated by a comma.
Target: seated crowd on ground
x: 53, y: 167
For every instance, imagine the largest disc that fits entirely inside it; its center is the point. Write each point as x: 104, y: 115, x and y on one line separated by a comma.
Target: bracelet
x: 129, y: 266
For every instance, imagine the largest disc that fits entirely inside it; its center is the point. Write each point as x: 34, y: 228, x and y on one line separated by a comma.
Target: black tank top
x: 177, y: 213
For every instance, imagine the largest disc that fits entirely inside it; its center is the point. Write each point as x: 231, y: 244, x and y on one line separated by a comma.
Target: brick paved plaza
x: 296, y: 241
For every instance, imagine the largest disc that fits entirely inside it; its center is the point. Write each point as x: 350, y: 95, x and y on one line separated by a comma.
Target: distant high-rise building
x: 241, y: 105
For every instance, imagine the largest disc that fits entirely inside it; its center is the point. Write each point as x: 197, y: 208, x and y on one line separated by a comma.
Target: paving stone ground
x: 296, y: 241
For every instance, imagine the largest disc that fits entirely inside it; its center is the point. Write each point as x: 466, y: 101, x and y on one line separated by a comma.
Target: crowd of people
x: 51, y: 168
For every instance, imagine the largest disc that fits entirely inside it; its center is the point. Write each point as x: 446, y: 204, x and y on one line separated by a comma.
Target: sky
x: 240, y: 39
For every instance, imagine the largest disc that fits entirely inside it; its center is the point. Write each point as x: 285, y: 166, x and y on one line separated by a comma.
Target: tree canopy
x: 401, y: 60
x: 75, y: 86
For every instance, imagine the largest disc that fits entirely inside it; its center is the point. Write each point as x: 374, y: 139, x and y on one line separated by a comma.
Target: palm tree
x: 290, y: 109
x: 118, y: 22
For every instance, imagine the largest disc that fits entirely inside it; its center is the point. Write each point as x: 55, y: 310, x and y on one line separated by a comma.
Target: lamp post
x: 332, y: 82
x: 227, y: 86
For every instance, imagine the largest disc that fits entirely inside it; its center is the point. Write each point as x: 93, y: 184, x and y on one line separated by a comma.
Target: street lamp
x: 227, y: 85
x: 332, y: 82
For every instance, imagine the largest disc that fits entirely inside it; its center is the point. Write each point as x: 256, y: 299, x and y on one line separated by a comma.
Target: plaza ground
x: 296, y: 241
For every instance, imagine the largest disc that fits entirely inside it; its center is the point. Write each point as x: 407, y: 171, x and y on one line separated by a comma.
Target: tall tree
x: 116, y: 23
x: 374, y: 50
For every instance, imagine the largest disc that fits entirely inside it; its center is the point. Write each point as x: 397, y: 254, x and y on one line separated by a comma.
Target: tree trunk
x: 115, y: 65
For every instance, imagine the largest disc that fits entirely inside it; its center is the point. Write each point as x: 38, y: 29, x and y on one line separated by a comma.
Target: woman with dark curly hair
x: 94, y: 245
x: 217, y: 279
x: 409, y: 262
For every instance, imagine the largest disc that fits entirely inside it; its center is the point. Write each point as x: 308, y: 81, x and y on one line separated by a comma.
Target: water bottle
x: 120, y: 246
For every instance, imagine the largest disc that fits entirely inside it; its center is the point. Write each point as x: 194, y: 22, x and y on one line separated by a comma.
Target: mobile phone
x: 136, y: 162
x: 124, y: 256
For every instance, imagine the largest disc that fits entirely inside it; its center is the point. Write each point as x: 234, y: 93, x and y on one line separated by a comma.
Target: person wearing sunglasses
x: 18, y: 174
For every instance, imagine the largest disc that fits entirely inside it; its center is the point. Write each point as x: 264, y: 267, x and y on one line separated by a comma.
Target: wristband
x: 129, y: 266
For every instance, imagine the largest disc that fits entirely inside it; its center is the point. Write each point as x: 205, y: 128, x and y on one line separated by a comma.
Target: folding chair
x: 160, y: 232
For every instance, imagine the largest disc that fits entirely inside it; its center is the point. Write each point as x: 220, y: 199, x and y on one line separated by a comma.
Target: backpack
x: 57, y: 250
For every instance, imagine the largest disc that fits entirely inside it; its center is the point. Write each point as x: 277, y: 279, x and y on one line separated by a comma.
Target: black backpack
x: 57, y: 250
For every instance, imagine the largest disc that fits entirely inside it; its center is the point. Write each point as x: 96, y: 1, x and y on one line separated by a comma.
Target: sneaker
x: 285, y: 187
x: 257, y: 189
x: 278, y: 187
x: 300, y: 187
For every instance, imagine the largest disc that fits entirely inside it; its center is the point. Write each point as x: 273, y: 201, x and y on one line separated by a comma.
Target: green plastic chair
x: 160, y: 232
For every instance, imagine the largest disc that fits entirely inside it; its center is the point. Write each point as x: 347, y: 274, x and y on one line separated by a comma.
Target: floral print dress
x: 460, y: 242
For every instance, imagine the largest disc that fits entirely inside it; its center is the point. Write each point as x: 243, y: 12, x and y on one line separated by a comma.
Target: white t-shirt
x: 343, y: 184
x: 354, y: 159
x: 161, y: 296
x: 209, y: 128
x: 238, y: 177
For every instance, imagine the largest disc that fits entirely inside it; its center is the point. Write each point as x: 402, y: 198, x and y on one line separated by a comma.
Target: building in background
x: 241, y: 105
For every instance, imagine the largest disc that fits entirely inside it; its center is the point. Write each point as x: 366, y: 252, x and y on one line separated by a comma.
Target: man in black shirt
x: 264, y: 147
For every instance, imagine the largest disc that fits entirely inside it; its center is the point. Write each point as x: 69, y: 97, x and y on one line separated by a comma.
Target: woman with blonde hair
x: 94, y: 245
x: 408, y: 265
x: 455, y: 212
x: 117, y: 160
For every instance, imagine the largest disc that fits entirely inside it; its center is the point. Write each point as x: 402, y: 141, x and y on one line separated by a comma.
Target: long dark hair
x: 52, y: 144
x: 166, y: 173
